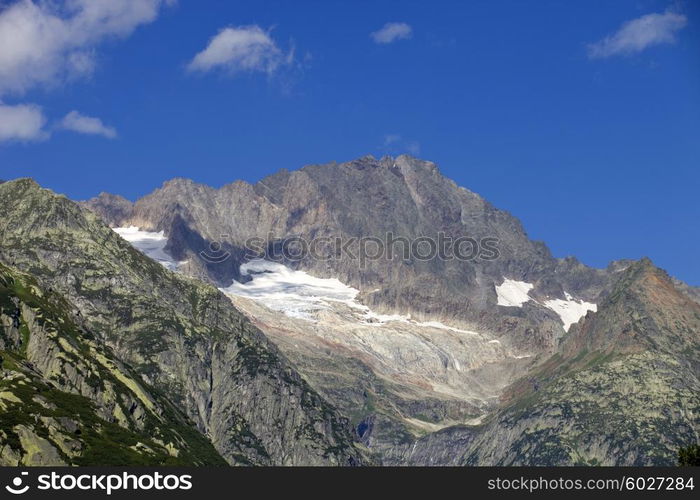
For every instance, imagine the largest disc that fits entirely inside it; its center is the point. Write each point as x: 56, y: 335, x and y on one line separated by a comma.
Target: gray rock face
x: 182, y: 337
x: 65, y: 400
x: 623, y: 389
x: 619, y: 387
x: 111, y: 207
x: 405, y: 197
x: 571, y: 396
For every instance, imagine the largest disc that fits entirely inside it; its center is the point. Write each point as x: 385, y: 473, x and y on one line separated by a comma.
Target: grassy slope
x: 38, y: 401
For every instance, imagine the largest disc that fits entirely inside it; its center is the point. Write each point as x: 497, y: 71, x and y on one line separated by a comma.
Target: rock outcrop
x: 623, y: 389
x: 182, y: 338
x: 66, y: 400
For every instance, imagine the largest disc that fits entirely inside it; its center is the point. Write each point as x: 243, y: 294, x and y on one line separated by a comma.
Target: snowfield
x: 570, y: 310
x: 150, y: 243
x: 512, y: 293
x: 300, y: 295
x: 294, y: 293
x: 305, y: 314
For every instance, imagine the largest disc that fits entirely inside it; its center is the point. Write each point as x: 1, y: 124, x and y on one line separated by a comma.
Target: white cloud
x: 245, y: 48
x: 638, y: 34
x: 48, y: 42
x: 391, y: 32
x: 82, y: 124
x: 396, y: 143
x: 413, y: 147
x: 21, y: 122
x: 391, y: 139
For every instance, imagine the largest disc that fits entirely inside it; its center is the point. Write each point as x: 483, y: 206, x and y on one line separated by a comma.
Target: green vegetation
x: 37, y: 404
x: 689, y: 455
x: 133, y: 328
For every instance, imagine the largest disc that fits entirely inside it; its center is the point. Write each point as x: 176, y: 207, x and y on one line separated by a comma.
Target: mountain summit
x: 371, y: 198
x: 513, y: 357
x: 508, y: 360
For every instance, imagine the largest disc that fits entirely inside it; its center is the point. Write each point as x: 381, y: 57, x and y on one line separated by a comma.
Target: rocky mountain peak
x: 178, y: 183
x: 596, y: 391
x: 407, y: 161
x: 112, y: 208
x: 639, y: 313
x: 24, y: 183
x: 368, y: 197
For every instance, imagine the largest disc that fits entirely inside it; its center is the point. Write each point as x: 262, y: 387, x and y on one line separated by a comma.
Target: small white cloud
x: 22, y: 122
x: 392, y: 32
x: 413, y: 147
x: 82, y: 124
x: 47, y: 42
x: 245, y: 48
x: 391, y: 139
x: 638, y: 34
x: 396, y: 143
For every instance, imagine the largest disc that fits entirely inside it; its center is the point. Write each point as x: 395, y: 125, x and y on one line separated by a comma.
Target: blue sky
x: 580, y: 118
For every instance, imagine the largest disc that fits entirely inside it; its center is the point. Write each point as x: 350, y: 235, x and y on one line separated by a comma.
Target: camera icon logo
x: 16, y: 488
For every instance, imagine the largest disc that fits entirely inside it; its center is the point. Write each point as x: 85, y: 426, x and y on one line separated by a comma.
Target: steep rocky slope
x: 65, y: 399
x: 623, y: 389
x: 393, y: 377
x: 182, y: 337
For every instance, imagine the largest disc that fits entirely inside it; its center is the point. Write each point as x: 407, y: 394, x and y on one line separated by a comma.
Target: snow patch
x: 150, y: 243
x: 300, y: 295
x: 294, y: 293
x: 512, y: 293
x: 375, y: 317
x: 570, y: 310
x: 442, y: 326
